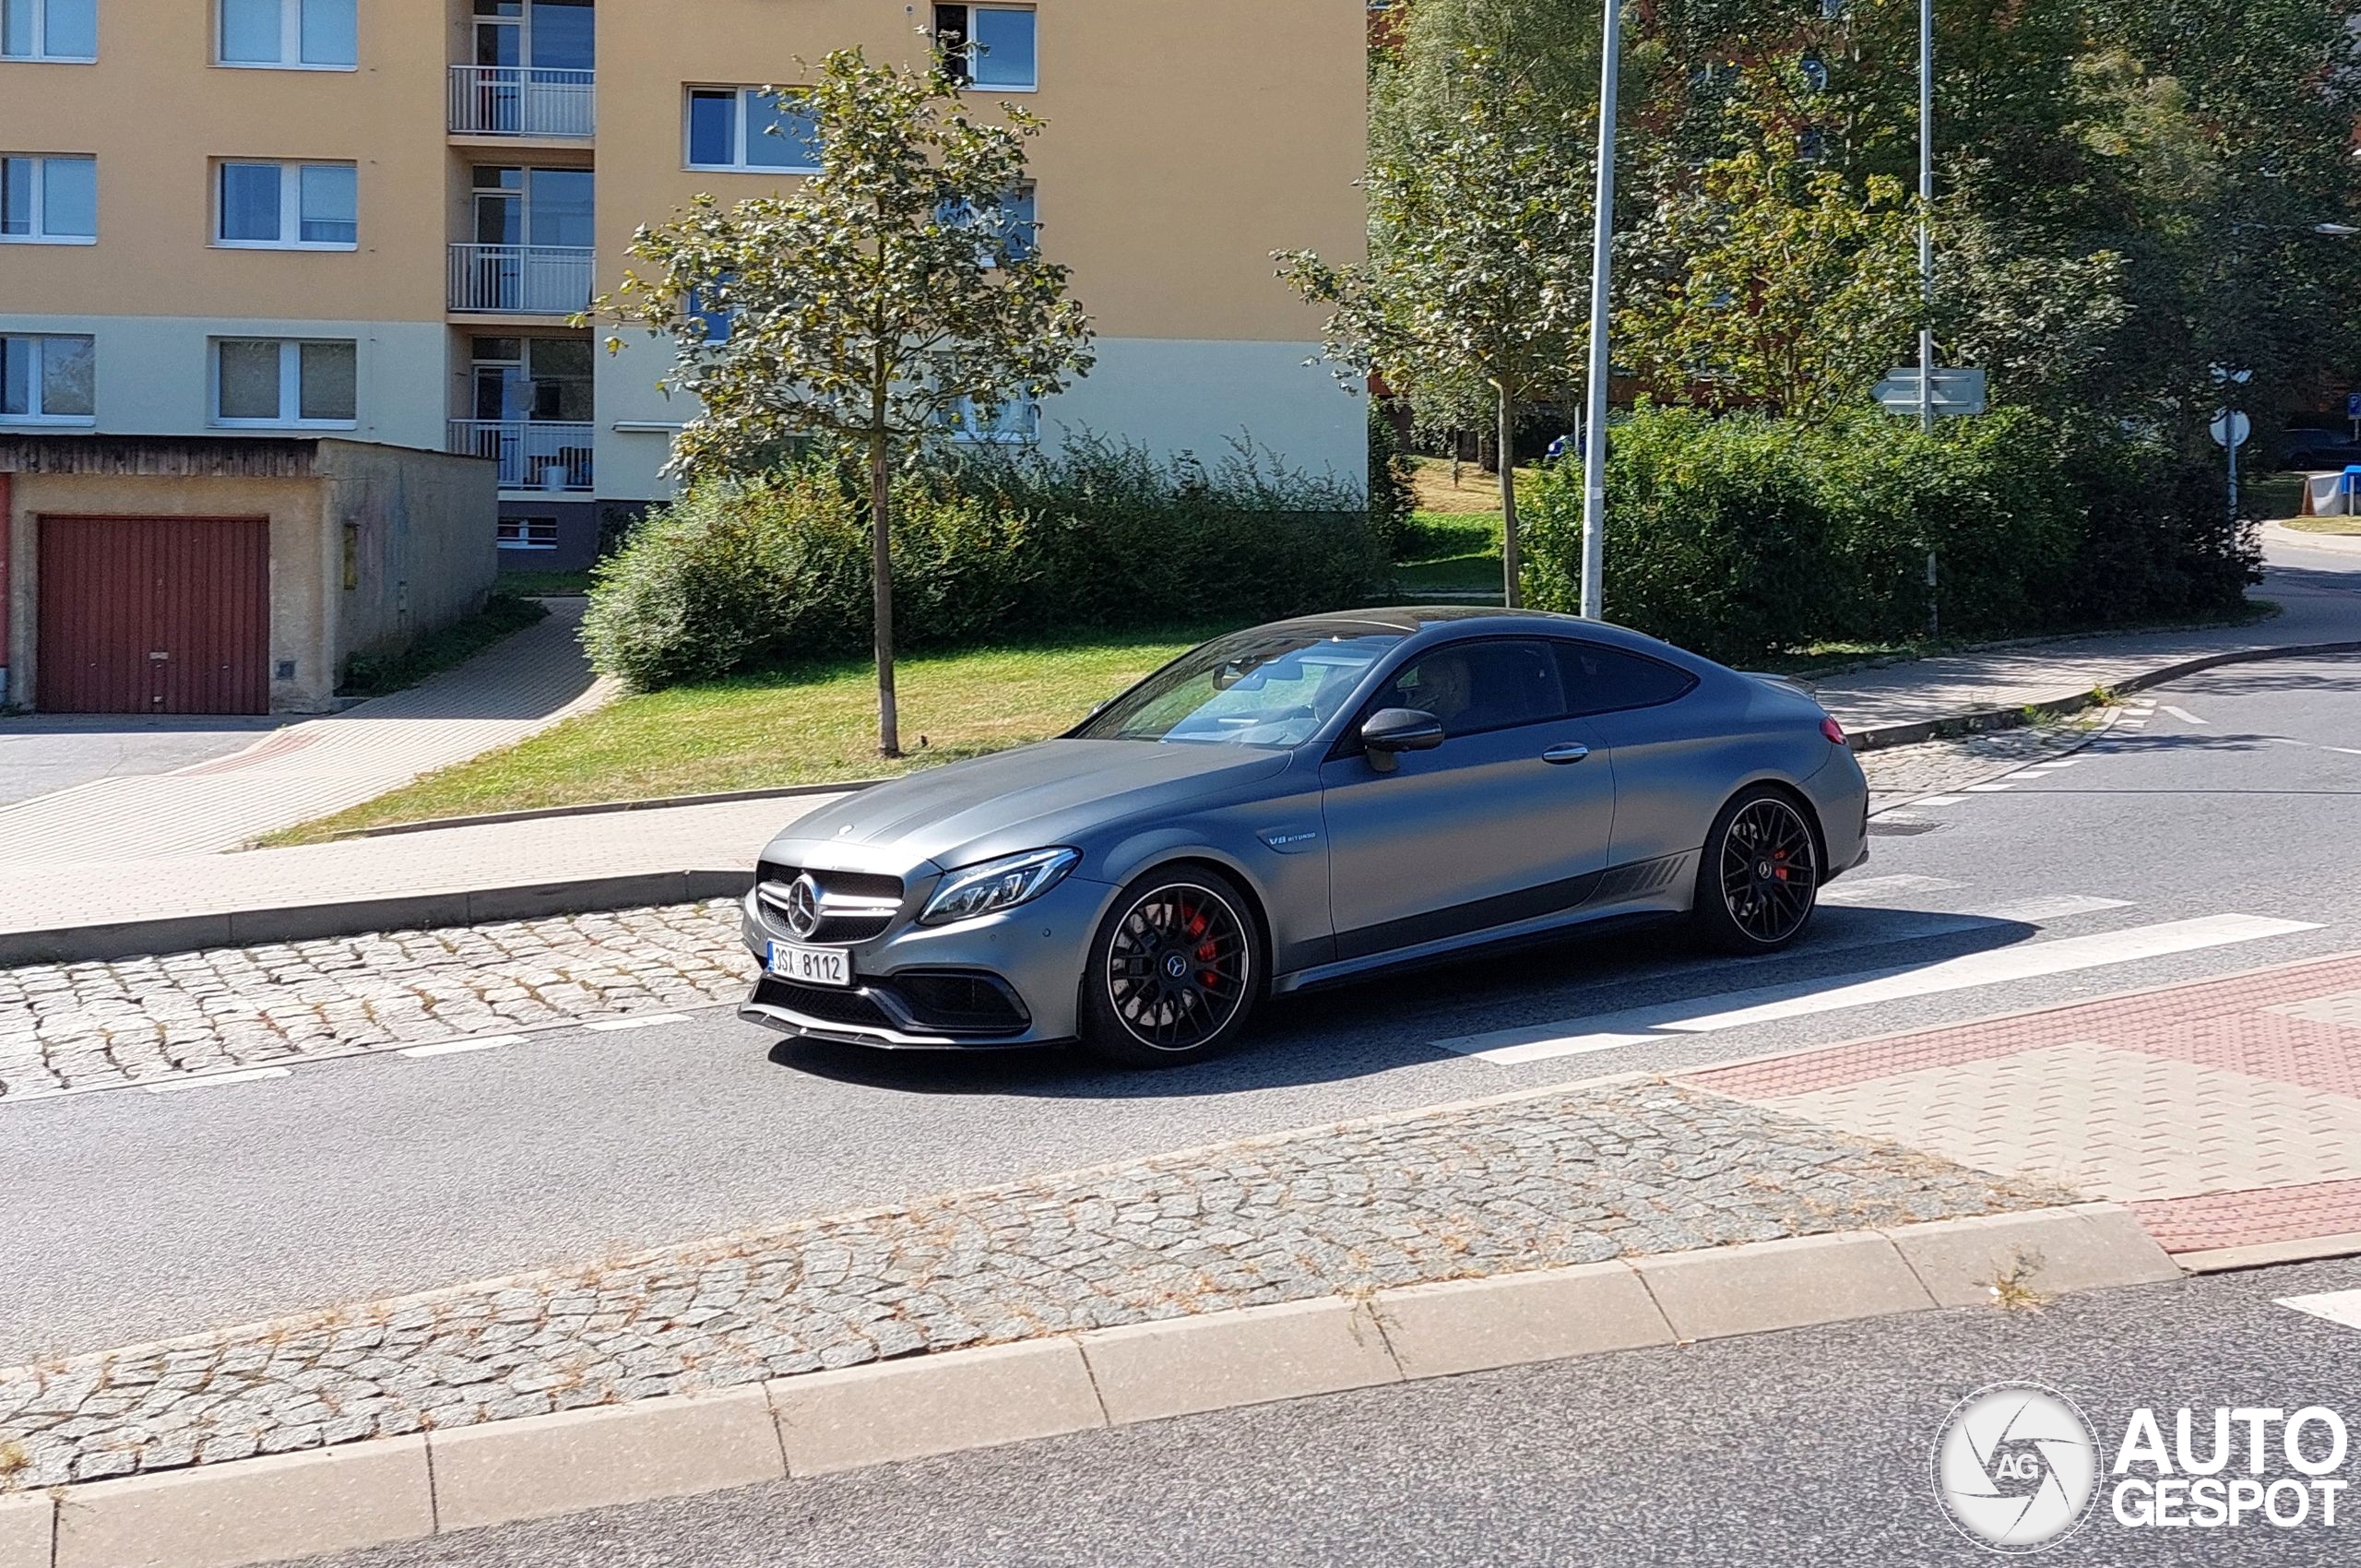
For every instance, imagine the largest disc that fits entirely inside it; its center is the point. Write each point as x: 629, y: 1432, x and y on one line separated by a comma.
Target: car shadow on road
x: 1345, y: 1032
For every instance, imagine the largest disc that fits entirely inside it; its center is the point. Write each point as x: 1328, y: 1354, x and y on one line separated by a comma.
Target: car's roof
x: 1412, y: 620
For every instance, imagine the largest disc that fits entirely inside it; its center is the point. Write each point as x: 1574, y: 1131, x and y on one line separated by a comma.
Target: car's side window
x: 1609, y: 680
x: 1475, y: 687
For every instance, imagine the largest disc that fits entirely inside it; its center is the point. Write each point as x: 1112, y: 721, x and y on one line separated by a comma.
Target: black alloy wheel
x: 1173, y: 972
x: 1761, y: 877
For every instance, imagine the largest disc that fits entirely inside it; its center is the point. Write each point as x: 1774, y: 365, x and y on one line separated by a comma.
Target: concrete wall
x: 422, y: 551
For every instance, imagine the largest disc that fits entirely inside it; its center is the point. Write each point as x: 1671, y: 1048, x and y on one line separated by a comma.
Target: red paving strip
x: 262, y: 751
x: 2218, y: 1023
x: 2251, y: 1218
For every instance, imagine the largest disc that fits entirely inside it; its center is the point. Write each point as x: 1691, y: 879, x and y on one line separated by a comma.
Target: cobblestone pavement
x: 1933, y: 767
x: 1616, y: 1168
x: 77, y: 1026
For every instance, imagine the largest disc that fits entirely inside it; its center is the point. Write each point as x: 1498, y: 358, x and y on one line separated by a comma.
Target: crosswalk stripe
x: 2336, y: 1306
x: 1861, y: 890
x: 1772, y: 1003
x: 1942, y: 800
x: 207, y: 1080
x: 454, y: 1047
x: 644, y: 1021
x: 2182, y: 713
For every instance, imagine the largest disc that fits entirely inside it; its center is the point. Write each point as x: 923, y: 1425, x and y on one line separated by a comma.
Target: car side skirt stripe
x: 1568, y: 894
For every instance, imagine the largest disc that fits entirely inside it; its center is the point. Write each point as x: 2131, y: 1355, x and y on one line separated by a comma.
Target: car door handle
x: 1566, y: 752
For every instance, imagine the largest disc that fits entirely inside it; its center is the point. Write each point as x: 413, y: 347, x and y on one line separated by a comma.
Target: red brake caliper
x: 1206, y: 949
x: 1778, y: 865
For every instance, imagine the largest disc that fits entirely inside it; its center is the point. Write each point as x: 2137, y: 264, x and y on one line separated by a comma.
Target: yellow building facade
x: 369, y: 219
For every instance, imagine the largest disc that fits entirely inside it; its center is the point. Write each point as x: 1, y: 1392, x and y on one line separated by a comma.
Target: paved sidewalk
x: 2228, y: 1113
x: 293, y: 775
x: 1619, y: 1168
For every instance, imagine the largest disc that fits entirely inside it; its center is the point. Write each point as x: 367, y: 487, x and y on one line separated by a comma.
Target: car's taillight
x: 1834, y: 731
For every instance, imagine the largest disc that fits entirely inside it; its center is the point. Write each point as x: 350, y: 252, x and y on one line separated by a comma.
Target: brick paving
x: 83, y: 1026
x: 2228, y: 1112
x: 1613, y: 1170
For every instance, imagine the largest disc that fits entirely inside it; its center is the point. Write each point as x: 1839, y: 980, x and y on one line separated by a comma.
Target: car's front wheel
x: 1759, y: 879
x: 1174, y: 970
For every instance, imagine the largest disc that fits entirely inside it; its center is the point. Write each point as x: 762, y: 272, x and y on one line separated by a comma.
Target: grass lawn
x: 504, y: 614
x: 2274, y: 496
x: 800, y: 726
x: 1450, y: 552
x: 1475, y: 492
x: 2325, y: 525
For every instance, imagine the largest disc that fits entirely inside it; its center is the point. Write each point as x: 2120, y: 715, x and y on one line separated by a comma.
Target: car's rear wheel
x: 1759, y: 879
x: 1174, y: 970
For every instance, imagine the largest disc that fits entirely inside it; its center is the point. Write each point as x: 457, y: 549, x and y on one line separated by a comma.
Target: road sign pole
x: 2234, y: 471
x: 1926, y: 213
x: 1602, y: 257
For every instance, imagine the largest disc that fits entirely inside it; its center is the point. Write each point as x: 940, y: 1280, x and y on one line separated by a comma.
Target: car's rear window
x: 1609, y: 680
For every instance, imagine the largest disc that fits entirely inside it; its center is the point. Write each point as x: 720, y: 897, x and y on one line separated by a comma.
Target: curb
x: 357, y: 917
x: 398, y: 1488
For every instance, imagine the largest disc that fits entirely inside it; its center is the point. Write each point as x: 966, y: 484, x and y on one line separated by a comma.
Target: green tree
x: 1769, y: 282
x: 888, y: 301
x: 1477, y: 281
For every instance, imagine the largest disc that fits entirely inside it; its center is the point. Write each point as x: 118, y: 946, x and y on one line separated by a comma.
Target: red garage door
x: 154, y: 616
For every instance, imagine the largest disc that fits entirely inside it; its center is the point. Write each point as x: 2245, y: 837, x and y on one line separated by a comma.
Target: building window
x: 527, y: 533
x: 1018, y: 423
x: 989, y: 47
x: 49, y: 201
x: 297, y: 35
x: 49, y: 380
x: 265, y: 381
x: 48, y: 29
x: 746, y: 129
x: 1008, y: 228
x: 289, y: 205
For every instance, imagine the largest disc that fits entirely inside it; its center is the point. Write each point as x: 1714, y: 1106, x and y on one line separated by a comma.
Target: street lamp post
x: 1926, y: 213
x: 1602, y: 256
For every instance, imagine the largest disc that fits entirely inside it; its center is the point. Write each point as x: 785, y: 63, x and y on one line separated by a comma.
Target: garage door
x: 154, y: 616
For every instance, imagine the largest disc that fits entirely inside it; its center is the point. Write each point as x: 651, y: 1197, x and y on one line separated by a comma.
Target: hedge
x: 741, y: 574
x: 1742, y: 536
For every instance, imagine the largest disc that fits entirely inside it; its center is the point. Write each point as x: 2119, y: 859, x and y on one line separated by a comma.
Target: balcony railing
x: 521, y: 279
x: 532, y: 454
x: 522, y: 100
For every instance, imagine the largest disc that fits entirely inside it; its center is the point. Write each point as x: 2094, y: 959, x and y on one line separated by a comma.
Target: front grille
x: 821, y: 1002
x: 854, y: 905
x: 959, y: 1002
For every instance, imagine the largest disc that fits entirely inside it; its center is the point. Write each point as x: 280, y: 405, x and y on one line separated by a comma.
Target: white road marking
x: 2182, y: 713
x: 1765, y: 1004
x: 2337, y: 1306
x: 2348, y: 751
x: 454, y: 1047
x: 1942, y: 800
x: 1990, y: 788
x: 252, y: 1074
x: 645, y: 1021
x: 1851, y: 891
x: 2051, y: 907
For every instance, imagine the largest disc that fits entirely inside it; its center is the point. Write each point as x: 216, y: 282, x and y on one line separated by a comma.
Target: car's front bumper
x: 1011, y: 978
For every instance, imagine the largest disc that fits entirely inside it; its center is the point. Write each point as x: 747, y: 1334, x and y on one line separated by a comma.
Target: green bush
x: 1743, y: 536
x: 987, y: 544
x: 1392, y: 498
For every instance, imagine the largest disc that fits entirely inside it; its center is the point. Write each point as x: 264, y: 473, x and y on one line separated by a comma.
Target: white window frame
x: 968, y: 82
x: 967, y: 431
x: 291, y: 385
x: 523, y: 526
x: 39, y: 416
x: 739, y: 137
x: 39, y: 11
x: 291, y: 42
x: 41, y: 235
x: 291, y: 206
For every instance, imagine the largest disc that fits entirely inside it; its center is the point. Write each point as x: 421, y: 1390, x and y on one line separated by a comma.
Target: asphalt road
x: 133, y: 1215
x: 46, y: 752
x: 1808, y: 1447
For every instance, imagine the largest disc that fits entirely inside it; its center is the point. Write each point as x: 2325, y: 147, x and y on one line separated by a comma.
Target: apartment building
x: 371, y: 220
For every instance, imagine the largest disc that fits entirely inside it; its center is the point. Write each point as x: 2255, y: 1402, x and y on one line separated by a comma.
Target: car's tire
x: 1136, y: 1010
x: 1758, y: 881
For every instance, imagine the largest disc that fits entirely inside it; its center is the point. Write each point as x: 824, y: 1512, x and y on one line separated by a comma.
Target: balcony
x: 532, y: 454
x: 520, y: 279
x: 522, y: 100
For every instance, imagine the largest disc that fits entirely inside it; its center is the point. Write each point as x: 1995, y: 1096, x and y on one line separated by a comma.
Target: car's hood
x: 1055, y: 792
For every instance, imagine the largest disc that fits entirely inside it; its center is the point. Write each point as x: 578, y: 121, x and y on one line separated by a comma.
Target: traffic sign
x: 2231, y: 429
x: 2352, y: 405
x: 1956, y: 391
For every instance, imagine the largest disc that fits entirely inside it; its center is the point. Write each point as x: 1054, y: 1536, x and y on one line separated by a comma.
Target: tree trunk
x: 1510, y: 561
x: 889, y: 724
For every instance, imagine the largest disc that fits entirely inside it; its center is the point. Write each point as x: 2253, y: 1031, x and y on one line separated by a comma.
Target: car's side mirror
x: 1391, y: 731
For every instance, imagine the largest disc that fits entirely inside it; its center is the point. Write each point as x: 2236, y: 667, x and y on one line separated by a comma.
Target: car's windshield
x: 1270, y: 687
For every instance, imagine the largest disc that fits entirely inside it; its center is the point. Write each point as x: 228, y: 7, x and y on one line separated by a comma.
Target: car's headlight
x: 998, y: 885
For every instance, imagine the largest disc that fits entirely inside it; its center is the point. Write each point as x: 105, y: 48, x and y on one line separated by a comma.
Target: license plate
x: 811, y: 966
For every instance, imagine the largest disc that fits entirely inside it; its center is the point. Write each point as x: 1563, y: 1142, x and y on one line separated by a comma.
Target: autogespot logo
x: 2016, y: 1467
